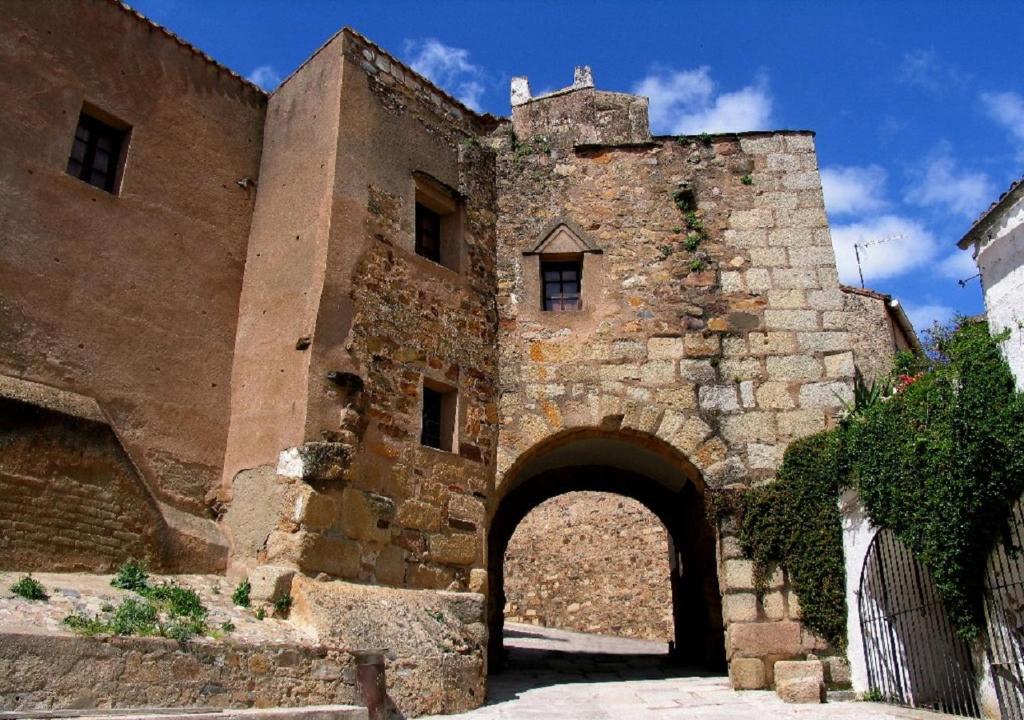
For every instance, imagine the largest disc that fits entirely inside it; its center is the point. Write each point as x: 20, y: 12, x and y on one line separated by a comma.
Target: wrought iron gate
x: 914, y: 657
x: 1004, y: 615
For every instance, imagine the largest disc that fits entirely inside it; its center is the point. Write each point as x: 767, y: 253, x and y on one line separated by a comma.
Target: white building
x: 997, y: 239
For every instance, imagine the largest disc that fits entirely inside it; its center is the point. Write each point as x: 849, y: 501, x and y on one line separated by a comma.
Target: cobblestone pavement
x: 572, y: 676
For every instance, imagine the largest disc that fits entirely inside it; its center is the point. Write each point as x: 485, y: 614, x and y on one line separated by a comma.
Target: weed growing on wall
x: 939, y: 460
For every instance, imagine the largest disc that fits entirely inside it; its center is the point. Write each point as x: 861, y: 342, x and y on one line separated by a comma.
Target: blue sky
x: 918, y: 106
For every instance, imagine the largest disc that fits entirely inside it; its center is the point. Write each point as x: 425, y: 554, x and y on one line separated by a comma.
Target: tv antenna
x: 858, y: 246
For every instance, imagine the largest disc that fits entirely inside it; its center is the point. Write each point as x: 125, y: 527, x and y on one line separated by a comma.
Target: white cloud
x: 958, y: 266
x: 852, y: 189
x: 448, y: 67
x: 266, y: 77
x: 926, y: 70
x: 923, y: 317
x: 939, y: 183
x: 1007, y: 109
x: 683, y: 102
x: 915, y: 248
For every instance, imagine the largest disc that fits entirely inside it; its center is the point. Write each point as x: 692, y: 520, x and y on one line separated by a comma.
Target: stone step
x: 308, y: 712
x: 841, y: 696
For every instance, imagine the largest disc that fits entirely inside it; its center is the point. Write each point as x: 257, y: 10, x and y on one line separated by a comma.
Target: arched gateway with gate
x: 634, y: 465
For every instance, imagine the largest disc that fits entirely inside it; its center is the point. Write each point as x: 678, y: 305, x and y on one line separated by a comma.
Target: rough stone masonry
x: 356, y: 331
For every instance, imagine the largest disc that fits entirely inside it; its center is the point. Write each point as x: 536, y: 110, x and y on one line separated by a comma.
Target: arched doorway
x: 640, y: 467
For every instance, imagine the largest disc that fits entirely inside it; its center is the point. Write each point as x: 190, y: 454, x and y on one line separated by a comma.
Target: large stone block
x: 747, y: 674
x: 434, y: 640
x: 793, y: 367
x: 455, y: 549
x: 270, y: 582
x: 764, y: 639
x: 800, y: 681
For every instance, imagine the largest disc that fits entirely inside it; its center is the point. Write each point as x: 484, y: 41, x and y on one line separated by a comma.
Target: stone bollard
x: 370, y: 682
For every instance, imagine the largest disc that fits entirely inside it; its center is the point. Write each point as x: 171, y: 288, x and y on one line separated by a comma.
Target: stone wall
x: 335, y: 405
x: 69, y: 497
x: 722, y: 352
x: 128, y: 298
x: 591, y: 562
x: 43, y: 672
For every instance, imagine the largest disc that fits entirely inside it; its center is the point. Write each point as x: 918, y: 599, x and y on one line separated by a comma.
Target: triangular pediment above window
x: 563, y: 237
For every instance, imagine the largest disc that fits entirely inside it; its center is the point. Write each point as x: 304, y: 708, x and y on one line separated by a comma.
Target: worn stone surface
x: 591, y: 562
x: 800, y: 681
x: 434, y: 641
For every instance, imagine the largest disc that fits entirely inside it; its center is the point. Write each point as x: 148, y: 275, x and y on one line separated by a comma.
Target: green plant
x: 85, y: 625
x: 705, y: 139
x: 227, y: 626
x: 134, y: 617
x: 794, y: 523
x: 677, y: 229
x: 866, y: 395
x: 693, y: 221
x: 240, y: 596
x: 692, y: 242
x: 747, y: 180
x: 685, y: 199
x: 665, y: 251
x: 283, y: 605
x: 260, y: 613
x: 697, y: 264
x: 541, y: 143
x: 29, y: 588
x: 873, y: 695
x: 132, y: 575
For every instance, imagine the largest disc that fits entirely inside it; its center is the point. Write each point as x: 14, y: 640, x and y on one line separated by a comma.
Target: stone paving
x: 572, y: 676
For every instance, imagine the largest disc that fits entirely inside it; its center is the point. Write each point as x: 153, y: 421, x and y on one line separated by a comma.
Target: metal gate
x: 1004, y: 615
x: 914, y: 657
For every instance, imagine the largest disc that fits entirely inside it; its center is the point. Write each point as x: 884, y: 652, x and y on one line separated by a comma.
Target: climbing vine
x: 938, y: 458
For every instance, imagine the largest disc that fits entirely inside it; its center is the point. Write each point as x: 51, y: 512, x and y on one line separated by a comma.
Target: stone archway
x: 634, y: 465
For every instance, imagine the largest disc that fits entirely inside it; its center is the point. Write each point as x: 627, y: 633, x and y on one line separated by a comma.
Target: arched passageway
x: 636, y: 466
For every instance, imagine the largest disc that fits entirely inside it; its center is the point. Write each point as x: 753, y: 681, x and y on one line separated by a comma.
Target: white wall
x: 1000, y: 258
x: 857, y: 536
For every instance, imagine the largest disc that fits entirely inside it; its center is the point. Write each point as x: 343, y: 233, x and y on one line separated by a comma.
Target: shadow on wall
x: 70, y: 498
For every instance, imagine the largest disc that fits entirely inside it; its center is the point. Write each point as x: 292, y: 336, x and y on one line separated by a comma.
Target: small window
x: 440, y: 409
x: 428, y: 233
x: 438, y: 222
x: 96, y: 152
x: 560, y: 283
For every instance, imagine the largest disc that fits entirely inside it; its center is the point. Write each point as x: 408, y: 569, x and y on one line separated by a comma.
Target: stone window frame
x: 449, y: 205
x: 97, y: 120
x: 452, y: 413
x: 561, y: 240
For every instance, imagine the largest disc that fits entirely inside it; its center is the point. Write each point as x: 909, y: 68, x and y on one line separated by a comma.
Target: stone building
x: 996, y: 241
x: 355, y: 331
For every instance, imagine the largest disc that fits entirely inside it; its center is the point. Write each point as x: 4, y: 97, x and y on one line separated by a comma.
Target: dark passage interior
x: 650, y: 472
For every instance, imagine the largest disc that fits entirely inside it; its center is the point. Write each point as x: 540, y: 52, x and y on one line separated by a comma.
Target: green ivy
x: 794, y: 523
x: 940, y: 462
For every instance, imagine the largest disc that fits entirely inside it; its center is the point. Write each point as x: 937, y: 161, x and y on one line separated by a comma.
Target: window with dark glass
x: 428, y: 233
x: 561, y: 284
x: 96, y: 152
x: 440, y: 406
